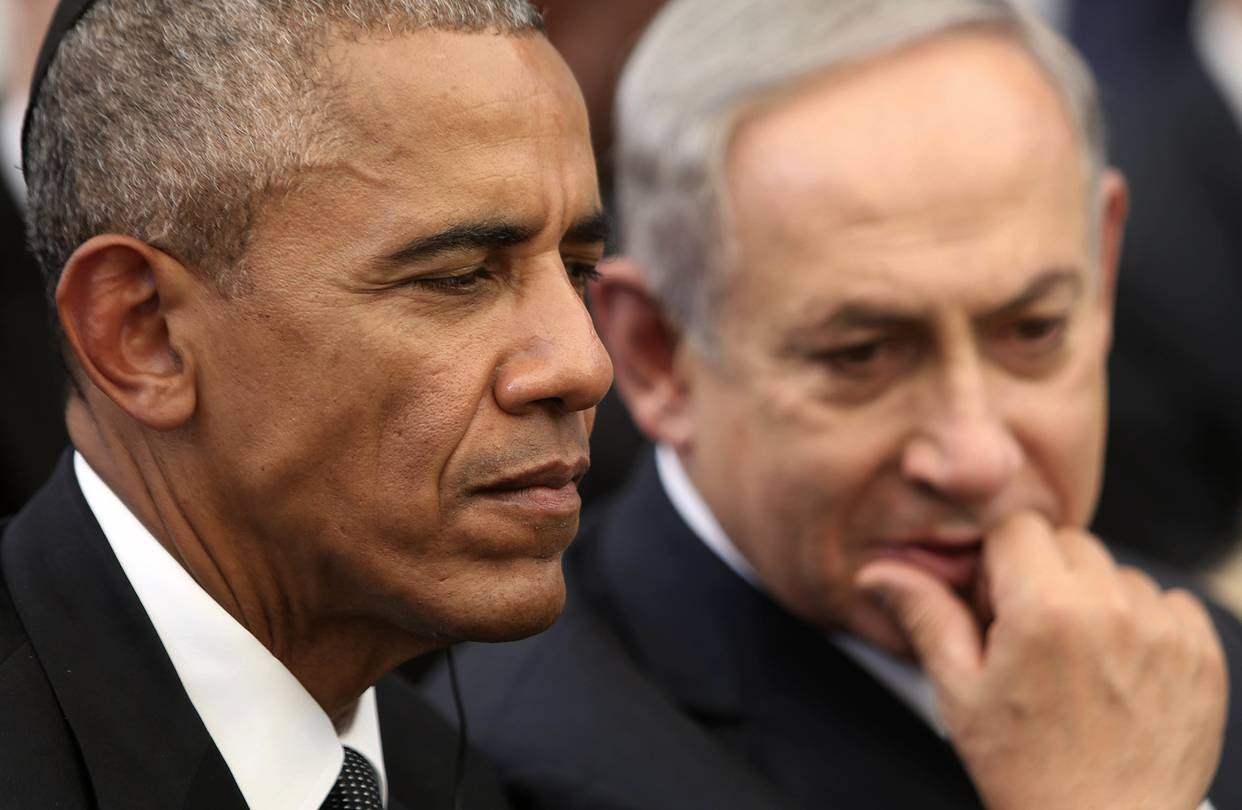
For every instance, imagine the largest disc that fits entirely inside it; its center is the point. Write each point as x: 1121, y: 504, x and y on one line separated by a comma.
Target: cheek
x: 360, y: 417
x: 810, y: 472
x: 1062, y: 429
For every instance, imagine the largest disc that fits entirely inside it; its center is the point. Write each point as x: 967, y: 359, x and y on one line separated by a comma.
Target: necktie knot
x: 357, y: 788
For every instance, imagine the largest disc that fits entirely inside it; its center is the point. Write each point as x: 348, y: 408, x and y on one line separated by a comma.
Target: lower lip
x: 548, y: 500
x: 957, y: 567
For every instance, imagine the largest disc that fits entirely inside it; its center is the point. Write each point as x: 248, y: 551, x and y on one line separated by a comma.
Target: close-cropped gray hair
x: 169, y: 120
x: 703, y: 64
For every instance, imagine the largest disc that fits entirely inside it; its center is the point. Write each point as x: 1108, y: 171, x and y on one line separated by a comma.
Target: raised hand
x: 1086, y: 685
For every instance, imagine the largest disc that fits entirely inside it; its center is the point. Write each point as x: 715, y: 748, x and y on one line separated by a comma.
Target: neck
x: 336, y: 653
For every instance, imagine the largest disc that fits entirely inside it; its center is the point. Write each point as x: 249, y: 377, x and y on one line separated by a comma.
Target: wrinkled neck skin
x: 336, y: 655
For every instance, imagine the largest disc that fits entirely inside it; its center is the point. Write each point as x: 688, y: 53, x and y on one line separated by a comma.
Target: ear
x: 646, y: 352
x: 114, y: 300
x: 1114, y: 207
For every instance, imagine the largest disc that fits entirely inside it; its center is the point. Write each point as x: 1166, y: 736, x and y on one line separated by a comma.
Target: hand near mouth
x: 1072, y: 682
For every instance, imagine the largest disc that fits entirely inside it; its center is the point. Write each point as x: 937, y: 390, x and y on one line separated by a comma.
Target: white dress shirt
x: 1217, y: 32
x: 281, y: 747
x: 906, y: 681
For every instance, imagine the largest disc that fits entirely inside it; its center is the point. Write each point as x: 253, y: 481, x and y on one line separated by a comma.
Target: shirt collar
x: 279, y: 744
x: 906, y: 681
x: 1217, y: 33
x: 692, y: 509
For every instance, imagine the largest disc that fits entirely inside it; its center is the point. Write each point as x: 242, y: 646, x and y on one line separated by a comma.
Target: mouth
x: 957, y: 563
x: 551, y: 488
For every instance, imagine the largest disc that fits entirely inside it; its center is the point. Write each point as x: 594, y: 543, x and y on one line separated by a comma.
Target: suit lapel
x: 771, y: 688
x: 660, y: 588
x: 142, y: 743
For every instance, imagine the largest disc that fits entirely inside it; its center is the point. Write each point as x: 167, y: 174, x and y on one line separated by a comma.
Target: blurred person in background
x: 864, y: 311
x: 32, y: 398
x: 1173, y: 486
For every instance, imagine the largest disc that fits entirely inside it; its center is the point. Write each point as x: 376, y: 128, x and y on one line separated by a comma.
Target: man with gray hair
x: 864, y: 314
x: 318, y: 269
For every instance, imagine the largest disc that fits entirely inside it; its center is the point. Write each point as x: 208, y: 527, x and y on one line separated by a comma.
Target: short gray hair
x: 170, y: 120
x: 704, y: 63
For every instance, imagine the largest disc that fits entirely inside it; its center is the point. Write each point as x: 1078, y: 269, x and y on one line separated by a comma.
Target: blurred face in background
x: 22, y: 26
x: 912, y: 343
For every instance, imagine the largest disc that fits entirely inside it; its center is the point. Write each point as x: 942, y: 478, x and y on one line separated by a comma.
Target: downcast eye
x: 582, y: 273
x: 456, y: 283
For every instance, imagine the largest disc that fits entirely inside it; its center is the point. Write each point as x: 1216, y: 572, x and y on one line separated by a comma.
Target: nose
x: 558, y: 362
x: 963, y: 450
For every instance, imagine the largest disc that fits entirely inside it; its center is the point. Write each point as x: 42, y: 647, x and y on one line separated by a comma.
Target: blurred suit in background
x: 1173, y: 481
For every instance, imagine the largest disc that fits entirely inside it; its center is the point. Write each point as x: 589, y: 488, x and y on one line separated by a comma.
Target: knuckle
x: 1186, y: 604
x: 1050, y: 617
x: 1137, y: 579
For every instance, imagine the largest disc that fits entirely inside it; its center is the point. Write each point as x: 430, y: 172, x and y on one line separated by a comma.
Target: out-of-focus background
x: 1171, y: 77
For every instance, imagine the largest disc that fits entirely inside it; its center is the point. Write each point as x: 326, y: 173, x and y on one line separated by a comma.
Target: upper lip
x: 553, y: 474
x: 943, y: 539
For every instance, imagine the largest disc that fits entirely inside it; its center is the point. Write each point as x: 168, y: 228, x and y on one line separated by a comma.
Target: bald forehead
x: 905, y: 129
x: 418, y: 77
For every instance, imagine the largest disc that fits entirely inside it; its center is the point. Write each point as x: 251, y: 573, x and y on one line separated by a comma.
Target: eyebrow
x: 592, y: 229
x: 866, y: 317
x: 1044, y: 284
x: 487, y: 236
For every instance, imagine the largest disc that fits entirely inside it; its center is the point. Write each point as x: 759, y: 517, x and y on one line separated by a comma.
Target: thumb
x: 937, y: 624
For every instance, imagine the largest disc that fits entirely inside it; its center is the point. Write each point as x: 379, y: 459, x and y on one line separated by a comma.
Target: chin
x: 873, y: 626
x: 504, y: 605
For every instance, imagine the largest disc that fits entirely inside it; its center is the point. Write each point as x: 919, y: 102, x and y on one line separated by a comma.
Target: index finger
x: 1022, y: 555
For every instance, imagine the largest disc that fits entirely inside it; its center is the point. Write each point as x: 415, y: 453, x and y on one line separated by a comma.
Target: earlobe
x: 645, y: 349
x: 113, y: 300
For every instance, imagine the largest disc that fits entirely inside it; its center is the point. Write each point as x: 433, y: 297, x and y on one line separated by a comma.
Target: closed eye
x: 455, y: 284
x: 582, y: 273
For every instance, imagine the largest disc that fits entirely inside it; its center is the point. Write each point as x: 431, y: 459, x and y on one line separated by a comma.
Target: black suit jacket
x: 671, y: 683
x: 92, y: 713
x: 1173, y: 479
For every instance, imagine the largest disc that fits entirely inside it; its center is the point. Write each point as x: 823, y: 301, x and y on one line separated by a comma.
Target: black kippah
x: 66, y: 17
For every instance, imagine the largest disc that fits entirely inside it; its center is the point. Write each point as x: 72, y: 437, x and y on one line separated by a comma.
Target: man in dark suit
x: 319, y: 270
x: 865, y: 315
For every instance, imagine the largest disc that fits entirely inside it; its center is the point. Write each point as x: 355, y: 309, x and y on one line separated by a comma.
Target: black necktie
x: 356, y: 788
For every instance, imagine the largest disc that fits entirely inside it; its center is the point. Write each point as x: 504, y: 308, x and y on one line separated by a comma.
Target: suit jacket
x: 672, y: 683
x: 1173, y: 479
x: 92, y: 713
